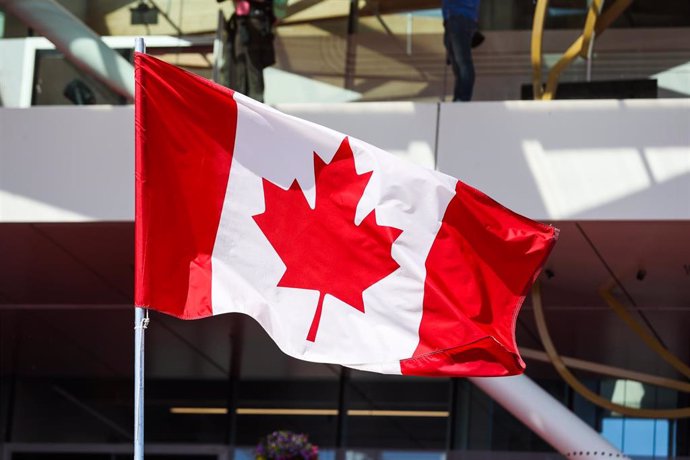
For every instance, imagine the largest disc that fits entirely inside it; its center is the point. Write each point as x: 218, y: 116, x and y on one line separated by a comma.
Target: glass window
x: 648, y: 437
x: 58, y: 82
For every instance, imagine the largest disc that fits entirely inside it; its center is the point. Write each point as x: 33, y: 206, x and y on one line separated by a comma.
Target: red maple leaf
x: 322, y: 248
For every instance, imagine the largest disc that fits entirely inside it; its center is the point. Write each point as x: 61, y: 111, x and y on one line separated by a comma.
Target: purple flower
x: 286, y: 445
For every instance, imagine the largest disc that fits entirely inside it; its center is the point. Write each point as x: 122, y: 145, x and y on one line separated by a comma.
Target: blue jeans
x: 458, y: 33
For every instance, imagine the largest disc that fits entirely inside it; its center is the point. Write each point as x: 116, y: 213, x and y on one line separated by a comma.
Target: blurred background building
x: 608, y: 162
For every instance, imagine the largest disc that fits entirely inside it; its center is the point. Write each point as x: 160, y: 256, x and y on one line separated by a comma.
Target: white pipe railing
x: 80, y: 45
x: 547, y: 417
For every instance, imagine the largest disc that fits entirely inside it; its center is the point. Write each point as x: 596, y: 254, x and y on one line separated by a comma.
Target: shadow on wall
x: 610, y: 159
x: 600, y: 159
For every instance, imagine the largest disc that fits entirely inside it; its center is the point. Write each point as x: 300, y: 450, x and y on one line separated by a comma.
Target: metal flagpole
x: 141, y: 320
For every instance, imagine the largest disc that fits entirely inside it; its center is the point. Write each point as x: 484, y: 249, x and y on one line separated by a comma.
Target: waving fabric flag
x: 342, y: 252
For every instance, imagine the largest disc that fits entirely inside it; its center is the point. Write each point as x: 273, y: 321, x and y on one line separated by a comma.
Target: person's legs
x: 450, y: 58
x: 459, y: 32
x: 247, y: 66
x: 238, y: 71
x: 256, y: 57
x: 255, y: 75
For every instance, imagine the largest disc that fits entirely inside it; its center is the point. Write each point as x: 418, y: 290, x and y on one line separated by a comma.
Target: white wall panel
x: 601, y: 159
x: 67, y: 164
x: 16, y: 68
x: 597, y: 160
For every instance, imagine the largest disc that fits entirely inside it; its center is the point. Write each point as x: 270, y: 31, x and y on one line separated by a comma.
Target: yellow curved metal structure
x: 610, y: 371
x: 641, y: 332
x: 595, y: 24
x: 578, y: 386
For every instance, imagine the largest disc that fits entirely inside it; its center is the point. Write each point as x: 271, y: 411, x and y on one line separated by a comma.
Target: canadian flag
x: 342, y: 252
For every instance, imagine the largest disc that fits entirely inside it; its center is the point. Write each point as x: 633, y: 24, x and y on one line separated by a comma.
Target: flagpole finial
x: 139, y: 45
